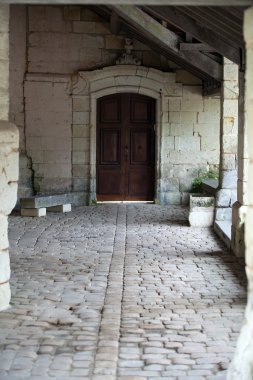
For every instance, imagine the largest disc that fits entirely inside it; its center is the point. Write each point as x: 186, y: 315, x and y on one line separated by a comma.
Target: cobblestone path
x: 119, y: 292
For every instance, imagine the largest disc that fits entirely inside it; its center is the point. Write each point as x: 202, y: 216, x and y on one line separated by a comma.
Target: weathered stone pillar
x: 9, y: 140
x: 226, y: 194
x: 240, y: 206
x: 4, y: 62
x: 18, y: 58
x: 242, y: 365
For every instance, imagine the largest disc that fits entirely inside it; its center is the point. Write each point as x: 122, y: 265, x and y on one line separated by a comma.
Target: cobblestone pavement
x: 119, y: 292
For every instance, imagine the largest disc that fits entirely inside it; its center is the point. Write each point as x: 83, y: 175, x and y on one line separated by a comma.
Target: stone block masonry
x: 82, y: 38
x: 60, y: 124
x: 240, y: 206
x: 226, y: 195
x: 191, y: 130
x: 9, y: 144
x: 242, y: 365
x: 18, y: 67
x: 9, y: 147
x: 48, y: 133
x: 4, y: 62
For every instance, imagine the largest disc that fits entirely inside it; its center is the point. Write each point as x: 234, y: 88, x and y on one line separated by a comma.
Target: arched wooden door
x: 125, y: 148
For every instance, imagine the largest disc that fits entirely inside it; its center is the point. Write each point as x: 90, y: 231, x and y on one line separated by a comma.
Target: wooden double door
x: 125, y: 148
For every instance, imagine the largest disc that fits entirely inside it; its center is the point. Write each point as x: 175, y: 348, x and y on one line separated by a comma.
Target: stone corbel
x: 79, y: 84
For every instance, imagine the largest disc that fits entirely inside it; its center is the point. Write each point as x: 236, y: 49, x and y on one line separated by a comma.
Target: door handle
x: 126, y: 153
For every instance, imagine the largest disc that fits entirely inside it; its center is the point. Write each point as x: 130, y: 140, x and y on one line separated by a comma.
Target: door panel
x: 110, y: 138
x: 110, y: 110
x: 140, y: 110
x: 140, y: 147
x: 141, y: 185
x: 110, y: 183
x: 125, y: 147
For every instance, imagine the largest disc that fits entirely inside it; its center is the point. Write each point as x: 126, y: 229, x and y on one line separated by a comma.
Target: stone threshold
x: 223, y: 230
x: 125, y: 202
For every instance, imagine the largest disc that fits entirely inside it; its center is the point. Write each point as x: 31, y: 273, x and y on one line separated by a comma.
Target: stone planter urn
x: 201, y: 210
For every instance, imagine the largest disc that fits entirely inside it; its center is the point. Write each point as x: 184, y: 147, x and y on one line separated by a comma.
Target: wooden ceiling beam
x: 136, y: 34
x: 114, y: 23
x: 237, y: 13
x: 206, y: 18
x: 184, y: 46
x: 132, y: 32
x: 167, y: 40
x: 225, y: 18
x: 176, y: 17
x: 224, y: 35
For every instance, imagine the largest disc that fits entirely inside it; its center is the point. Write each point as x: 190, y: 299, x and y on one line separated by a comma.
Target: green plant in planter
x: 203, y: 175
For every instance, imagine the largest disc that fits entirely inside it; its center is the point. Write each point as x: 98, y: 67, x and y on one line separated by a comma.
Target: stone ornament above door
x: 134, y: 78
x: 127, y: 57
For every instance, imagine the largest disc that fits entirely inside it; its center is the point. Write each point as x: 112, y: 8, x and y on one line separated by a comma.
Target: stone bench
x: 39, y: 205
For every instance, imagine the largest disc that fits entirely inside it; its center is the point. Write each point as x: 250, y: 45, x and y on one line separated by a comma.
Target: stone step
x: 223, y: 230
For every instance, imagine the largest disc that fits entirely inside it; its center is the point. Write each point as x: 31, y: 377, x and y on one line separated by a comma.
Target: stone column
x: 18, y: 67
x: 4, y: 62
x: 240, y: 206
x: 226, y: 194
x: 9, y: 141
x: 242, y: 365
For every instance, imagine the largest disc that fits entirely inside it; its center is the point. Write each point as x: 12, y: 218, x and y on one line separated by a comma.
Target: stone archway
x: 90, y: 86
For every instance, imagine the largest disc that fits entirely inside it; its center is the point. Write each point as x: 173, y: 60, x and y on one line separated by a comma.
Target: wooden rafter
x: 114, y: 23
x: 206, y: 17
x: 167, y: 40
x: 176, y: 17
x: 185, y: 46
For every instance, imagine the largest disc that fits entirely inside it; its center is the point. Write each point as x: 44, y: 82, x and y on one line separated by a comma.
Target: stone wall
x: 64, y: 40
x: 48, y: 133
x: 18, y: 67
x: 190, y: 140
x: 240, y: 206
x: 81, y: 38
x: 4, y: 62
